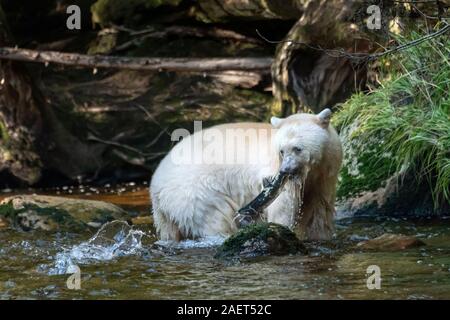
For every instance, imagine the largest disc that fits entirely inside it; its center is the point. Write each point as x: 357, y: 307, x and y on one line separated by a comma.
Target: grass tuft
x: 404, y: 124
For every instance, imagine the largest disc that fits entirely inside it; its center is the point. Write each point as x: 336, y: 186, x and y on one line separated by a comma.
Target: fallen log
x: 134, y: 63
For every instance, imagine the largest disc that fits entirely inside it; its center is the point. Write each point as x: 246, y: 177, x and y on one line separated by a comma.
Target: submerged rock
x: 391, y: 242
x: 35, y: 212
x: 261, y: 239
x: 146, y: 220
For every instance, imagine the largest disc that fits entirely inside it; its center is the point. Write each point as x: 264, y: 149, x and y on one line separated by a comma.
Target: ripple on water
x: 205, y: 242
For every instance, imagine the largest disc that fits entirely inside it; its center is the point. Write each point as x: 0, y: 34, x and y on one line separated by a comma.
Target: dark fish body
x: 252, y: 210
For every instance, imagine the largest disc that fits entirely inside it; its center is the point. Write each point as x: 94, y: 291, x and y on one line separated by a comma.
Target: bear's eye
x: 281, y: 152
x: 297, y: 149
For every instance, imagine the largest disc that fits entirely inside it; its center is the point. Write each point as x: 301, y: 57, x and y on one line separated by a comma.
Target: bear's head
x: 300, y: 140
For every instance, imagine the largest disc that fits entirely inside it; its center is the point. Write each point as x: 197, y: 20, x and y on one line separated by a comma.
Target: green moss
x: 366, y: 168
x: 62, y: 218
x: 275, y: 239
x: 4, y: 137
x: 103, y: 44
x: 103, y: 216
x: 7, y: 210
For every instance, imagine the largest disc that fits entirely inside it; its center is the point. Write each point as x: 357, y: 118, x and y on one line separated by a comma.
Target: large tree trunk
x: 221, y: 10
x: 308, y: 78
x: 30, y: 133
x: 20, y: 117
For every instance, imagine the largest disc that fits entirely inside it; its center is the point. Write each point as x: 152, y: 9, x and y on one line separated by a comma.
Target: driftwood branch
x: 153, y: 64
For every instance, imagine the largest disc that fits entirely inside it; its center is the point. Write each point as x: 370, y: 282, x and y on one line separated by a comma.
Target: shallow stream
x: 129, y: 263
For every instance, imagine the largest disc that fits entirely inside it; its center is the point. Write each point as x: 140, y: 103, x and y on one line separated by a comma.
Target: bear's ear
x: 276, y: 122
x: 325, y: 117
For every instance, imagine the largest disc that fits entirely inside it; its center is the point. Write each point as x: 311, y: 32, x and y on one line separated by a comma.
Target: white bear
x: 198, y: 195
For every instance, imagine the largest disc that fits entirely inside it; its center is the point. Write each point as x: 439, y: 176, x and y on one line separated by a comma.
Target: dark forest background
x: 73, y: 124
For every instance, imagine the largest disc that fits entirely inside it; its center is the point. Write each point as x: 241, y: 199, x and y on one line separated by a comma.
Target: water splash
x: 114, y: 239
x: 298, y: 185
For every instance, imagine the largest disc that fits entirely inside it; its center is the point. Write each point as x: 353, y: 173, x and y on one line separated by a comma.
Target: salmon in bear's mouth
x: 250, y: 212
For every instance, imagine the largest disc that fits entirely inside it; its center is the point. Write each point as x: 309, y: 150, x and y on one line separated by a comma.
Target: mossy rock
x: 359, y: 172
x: 259, y: 240
x: 35, y: 212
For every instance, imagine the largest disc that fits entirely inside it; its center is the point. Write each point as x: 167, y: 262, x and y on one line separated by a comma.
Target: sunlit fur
x: 319, y: 163
x: 197, y: 200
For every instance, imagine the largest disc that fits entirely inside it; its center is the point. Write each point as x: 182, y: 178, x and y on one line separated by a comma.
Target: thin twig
x: 415, y: 1
x: 152, y: 118
x: 212, y: 32
x: 91, y: 137
x: 361, y: 56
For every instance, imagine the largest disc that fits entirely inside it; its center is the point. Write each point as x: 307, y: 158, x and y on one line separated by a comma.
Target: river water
x: 122, y: 262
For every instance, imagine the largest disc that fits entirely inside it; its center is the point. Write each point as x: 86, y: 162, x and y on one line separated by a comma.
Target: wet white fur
x: 197, y: 200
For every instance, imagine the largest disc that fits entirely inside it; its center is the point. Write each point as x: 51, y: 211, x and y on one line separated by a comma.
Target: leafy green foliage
x: 402, y: 126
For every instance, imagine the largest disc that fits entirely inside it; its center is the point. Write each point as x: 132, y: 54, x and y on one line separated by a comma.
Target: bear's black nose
x: 287, y: 170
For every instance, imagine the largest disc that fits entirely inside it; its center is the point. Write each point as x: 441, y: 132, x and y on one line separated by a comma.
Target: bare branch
x: 151, y: 155
x: 365, y: 57
x: 212, y: 32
